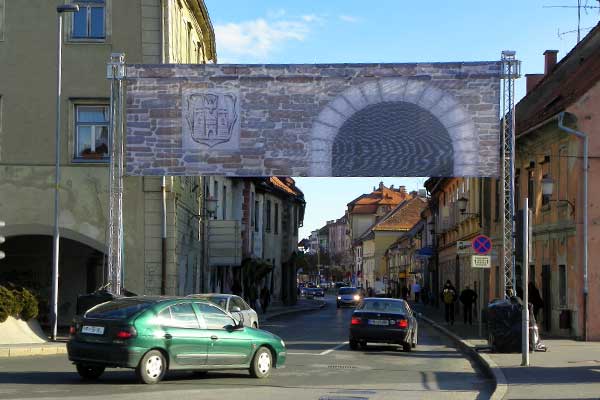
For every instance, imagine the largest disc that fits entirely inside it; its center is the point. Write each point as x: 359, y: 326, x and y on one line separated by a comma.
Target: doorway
x: 546, y: 294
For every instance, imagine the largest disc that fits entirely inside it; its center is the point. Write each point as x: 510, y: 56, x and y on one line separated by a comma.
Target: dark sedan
x: 383, y: 320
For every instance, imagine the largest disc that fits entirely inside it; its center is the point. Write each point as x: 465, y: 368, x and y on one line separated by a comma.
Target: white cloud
x: 310, y: 18
x: 255, y: 40
x: 348, y: 18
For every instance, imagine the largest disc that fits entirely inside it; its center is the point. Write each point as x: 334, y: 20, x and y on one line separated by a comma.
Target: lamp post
x: 65, y: 8
x: 209, y: 208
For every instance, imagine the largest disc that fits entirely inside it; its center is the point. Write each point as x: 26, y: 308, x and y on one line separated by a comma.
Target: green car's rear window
x: 118, y: 309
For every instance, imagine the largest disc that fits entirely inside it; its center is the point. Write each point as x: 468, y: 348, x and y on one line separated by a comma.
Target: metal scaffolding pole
x: 511, y: 70
x: 115, y: 72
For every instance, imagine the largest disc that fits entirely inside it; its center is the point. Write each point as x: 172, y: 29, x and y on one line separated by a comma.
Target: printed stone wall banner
x: 420, y: 119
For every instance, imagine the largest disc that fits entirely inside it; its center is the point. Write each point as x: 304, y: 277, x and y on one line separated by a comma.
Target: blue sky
x: 323, y: 31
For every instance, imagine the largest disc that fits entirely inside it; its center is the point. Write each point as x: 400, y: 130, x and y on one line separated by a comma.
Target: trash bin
x: 504, y: 319
x: 87, y: 301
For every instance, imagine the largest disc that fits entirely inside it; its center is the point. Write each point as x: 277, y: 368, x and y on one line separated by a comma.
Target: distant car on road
x: 348, y: 296
x: 314, y: 292
x: 234, y: 305
x: 383, y: 320
x: 157, y: 334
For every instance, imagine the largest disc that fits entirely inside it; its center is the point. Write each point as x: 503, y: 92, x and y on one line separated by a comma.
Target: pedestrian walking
x: 405, y: 292
x: 468, y: 298
x: 449, y: 298
x: 535, y: 299
x: 416, y: 289
x: 265, y: 298
x: 236, y: 288
x: 425, y: 295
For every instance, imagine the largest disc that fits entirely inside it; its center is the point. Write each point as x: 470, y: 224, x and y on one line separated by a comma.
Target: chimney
x: 549, y: 60
x: 533, y: 80
x: 381, y: 185
x: 391, y: 187
x: 402, y: 189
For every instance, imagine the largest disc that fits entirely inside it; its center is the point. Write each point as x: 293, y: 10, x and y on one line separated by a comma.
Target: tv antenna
x: 585, y: 7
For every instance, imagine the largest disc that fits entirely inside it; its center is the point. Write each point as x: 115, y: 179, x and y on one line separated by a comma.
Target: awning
x: 425, y: 251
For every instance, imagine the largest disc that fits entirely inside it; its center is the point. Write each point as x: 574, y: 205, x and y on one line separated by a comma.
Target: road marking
x: 323, y: 353
x: 334, y: 349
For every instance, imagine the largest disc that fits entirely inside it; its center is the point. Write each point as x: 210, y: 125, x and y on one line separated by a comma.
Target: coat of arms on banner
x: 210, y: 117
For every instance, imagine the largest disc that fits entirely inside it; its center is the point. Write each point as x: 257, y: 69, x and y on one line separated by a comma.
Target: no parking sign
x: 482, y: 244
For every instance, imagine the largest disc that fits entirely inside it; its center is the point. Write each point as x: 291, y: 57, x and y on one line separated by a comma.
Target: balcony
x: 224, y: 243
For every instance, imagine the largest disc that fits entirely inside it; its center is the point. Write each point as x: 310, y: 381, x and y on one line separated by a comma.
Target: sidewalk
x: 59, y: 347
x: 568, y: 370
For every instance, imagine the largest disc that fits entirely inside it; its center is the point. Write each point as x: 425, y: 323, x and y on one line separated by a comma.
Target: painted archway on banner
x: 424, y: 119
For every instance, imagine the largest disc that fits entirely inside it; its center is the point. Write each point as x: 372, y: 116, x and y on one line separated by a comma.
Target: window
x: 531, y: 186
x: 251, y: 209
x: 562, y: 284
x: 276, y: 222
x: 89, y: 21
x: 295, y: 220
x: 214, y: 318
x: 268, y: 216
x: 238, y: 302
x: 1, y: 20
x: 91, y: 132
x: 224, y: 202
x: 256, y: 211
x: 181, y: 316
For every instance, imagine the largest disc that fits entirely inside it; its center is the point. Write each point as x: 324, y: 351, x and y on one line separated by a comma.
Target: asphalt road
x: 320, y: 366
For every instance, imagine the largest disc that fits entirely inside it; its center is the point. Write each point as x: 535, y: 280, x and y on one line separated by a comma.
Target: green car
x: 157, y: 334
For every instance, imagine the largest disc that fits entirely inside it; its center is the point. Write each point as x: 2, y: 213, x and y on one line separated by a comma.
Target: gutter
x: 585, y: 138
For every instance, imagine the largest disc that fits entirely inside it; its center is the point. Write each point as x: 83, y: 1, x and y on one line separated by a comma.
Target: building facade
x: 147, y: 31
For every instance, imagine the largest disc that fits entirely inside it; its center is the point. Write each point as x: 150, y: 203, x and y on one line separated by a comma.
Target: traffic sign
x: 482, y: 244
x: 481, y: 261
x: 464, y: 247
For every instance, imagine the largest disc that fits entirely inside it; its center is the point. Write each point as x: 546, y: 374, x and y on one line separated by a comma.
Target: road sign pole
x: 525, y: 268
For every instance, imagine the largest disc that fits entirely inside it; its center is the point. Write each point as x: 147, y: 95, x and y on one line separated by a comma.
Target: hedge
x: 20, y: 303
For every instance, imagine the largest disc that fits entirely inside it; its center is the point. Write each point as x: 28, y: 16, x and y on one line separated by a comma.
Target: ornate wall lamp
x: 548, y: 189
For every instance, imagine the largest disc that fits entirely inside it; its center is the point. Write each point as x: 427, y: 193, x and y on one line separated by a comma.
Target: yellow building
x: 147, y: 31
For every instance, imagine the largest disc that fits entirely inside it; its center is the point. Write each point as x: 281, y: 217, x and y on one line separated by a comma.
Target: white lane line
x: 323, y: 353
x: 339, y: 346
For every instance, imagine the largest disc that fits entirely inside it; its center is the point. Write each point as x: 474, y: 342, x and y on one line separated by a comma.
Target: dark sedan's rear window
x: 348, y: 290
x: 383, y: 306
x: 118, y: 309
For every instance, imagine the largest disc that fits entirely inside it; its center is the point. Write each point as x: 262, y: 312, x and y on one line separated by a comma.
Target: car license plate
x: 379, y: 322
x: 94, y: 330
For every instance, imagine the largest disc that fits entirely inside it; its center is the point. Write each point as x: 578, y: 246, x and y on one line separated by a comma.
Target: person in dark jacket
x: 448, y: 296
x: 535, y: 299
x: 265, y: 298
x: 236, y: 288
x: 468, y: 298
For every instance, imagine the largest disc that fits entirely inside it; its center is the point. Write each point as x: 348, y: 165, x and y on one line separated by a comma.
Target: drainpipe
x: 163, y: 283
x: 585, y: 215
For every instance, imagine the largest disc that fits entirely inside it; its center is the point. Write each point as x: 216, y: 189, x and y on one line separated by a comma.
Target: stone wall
x: 261, y: 120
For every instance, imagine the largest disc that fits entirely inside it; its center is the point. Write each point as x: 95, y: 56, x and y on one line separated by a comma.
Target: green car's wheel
x: 261, y: 363
x: 89, y: 371
x: 152, y: 367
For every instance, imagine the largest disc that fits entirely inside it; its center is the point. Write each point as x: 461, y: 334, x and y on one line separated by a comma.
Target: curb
x: 484, y: 361
x: 45, y: 349
x: 292, y: 311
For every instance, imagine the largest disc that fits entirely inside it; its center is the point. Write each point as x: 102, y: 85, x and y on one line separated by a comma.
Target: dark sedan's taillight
x: 355, y: 321
x: 403, y: 323
x: 126, y: 333
x: 72, y: 330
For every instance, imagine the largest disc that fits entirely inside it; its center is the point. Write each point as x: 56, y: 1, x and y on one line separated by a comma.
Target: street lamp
x: 462, y: 206
x: 211, y: 205
x: 548, y: 189
x: 71, y: 8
